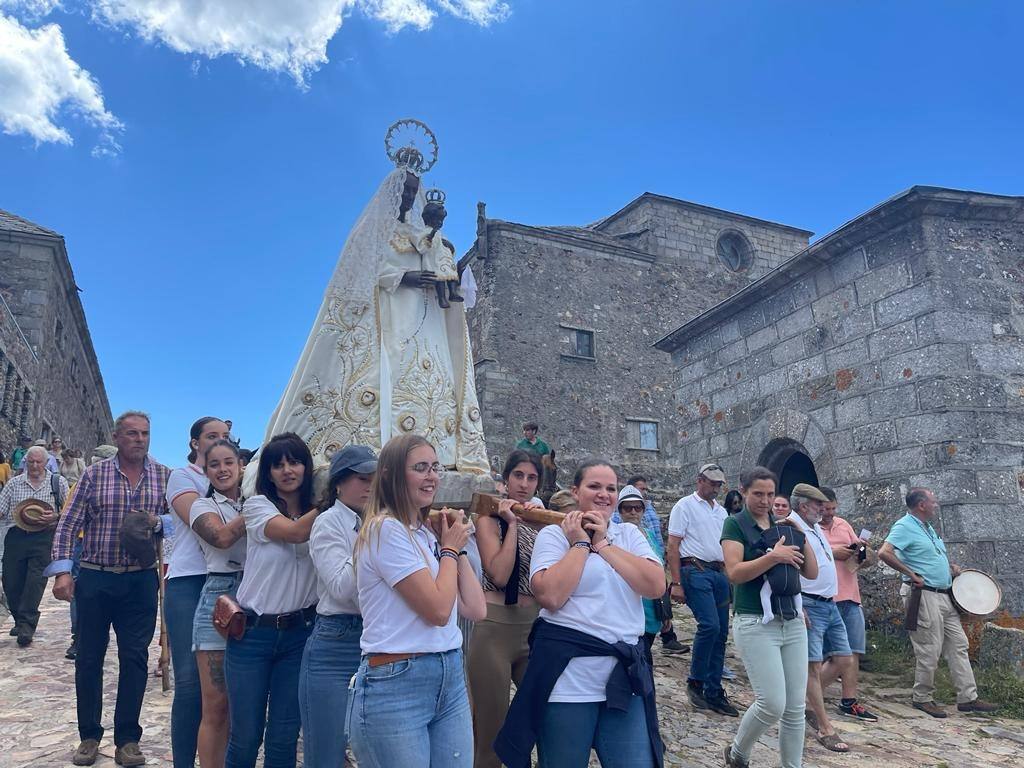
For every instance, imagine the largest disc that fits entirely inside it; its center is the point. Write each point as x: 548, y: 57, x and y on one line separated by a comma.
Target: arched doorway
x: 789, y: 461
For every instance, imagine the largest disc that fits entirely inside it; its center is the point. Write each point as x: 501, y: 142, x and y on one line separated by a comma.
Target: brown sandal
x: 834, y: 743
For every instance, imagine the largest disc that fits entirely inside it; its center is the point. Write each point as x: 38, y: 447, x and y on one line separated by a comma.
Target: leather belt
x: 281, y: 620
x: 819, y: 598
x: 115, y: 568
x: 380, y: 659
x: 700, y: 565
x: 943, y: 591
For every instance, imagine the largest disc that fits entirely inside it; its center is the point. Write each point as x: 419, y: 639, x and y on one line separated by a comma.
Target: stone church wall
x: 893, y: 356
x: 45, y: 334
x: 537, y: 286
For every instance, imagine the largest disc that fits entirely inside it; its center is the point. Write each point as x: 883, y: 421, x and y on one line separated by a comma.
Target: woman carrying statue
x: 498, y: 649
x: 407, y: 703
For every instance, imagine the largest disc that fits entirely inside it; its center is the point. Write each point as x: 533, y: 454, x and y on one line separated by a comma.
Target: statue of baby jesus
x: 439, y: 255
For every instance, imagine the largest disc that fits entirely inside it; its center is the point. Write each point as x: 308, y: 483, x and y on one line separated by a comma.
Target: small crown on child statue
x: 435, y: 195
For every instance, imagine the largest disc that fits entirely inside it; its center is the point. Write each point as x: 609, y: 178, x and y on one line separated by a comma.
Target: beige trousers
x: 498, y: 653
x: 939, y: 633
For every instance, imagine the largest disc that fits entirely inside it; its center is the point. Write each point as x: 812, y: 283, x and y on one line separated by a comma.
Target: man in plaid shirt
x: 113, y: 589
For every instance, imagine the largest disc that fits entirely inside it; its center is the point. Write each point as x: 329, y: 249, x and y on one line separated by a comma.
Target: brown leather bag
x: 228, y: 618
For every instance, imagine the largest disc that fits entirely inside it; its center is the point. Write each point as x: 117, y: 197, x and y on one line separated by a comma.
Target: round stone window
x: 734, y: 250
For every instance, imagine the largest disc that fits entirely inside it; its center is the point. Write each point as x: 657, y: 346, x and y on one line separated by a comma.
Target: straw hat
x: 27, y: 515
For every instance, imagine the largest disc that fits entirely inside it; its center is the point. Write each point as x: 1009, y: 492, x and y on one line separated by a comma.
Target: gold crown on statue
x: 435, y: 195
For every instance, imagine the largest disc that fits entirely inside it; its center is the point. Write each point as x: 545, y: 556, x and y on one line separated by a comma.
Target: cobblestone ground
x: 37, y: 716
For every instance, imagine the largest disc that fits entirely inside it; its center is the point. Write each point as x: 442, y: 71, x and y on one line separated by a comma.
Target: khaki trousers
x: 939, y: 633
x: 498, y: 652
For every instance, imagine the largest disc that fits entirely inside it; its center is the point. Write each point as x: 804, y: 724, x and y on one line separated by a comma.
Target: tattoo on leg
x: 216, y: 664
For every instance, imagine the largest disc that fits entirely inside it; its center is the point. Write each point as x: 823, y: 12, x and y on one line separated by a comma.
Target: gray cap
x: 712, y: 472
x: 353, y: 458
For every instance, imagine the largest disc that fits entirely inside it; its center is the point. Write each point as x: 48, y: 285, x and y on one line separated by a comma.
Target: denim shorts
x: 827, y: 629
x: 204, y: 636
x: 853, y: 618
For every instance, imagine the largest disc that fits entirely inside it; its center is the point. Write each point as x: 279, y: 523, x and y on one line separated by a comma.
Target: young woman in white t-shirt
x: 408, y: 706
x: 589, y: 576
x: 278, y: 594
x: 186, y: 574
x: 332, y: 652
x: 217, y: 521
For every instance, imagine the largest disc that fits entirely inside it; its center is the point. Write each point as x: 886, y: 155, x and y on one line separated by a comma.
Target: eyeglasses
x: 631, y: 508
x: 425, y: 468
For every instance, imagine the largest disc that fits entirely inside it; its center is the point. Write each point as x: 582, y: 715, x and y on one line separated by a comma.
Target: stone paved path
x: 37, y: 716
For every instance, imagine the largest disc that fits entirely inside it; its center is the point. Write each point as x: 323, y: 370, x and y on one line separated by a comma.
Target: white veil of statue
x: 382, y: 358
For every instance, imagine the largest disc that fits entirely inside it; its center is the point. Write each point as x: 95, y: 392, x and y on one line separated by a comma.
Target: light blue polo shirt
x: 920, y: 549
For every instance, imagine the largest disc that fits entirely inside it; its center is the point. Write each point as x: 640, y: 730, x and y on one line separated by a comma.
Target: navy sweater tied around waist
x: 551, y: 648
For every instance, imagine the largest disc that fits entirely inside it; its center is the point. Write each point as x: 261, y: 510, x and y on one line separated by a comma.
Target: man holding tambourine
x: 915, y: 550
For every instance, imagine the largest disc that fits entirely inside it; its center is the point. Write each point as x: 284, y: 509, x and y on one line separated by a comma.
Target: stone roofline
x: 43, y: 236
x: 575, y: 237
x: 891, y: 213
x: 706, y: 209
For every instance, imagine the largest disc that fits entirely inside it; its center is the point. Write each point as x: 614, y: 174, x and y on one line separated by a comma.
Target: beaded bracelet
x: 450, y: 553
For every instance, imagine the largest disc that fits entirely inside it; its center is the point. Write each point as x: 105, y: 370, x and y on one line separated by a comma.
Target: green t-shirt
x: 746, y: 596
x: 539, y: 446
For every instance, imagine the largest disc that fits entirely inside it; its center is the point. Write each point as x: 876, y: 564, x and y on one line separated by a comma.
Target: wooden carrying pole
x: 484, y: 505
x: 165, y: 653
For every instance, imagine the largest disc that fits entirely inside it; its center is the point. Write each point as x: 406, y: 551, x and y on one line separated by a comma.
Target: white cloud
x: 40, y: 83
x: 279, y: 35
x: 33, y: 9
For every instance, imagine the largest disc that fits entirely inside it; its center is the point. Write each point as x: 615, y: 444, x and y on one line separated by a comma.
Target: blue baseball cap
x: 353, y: 458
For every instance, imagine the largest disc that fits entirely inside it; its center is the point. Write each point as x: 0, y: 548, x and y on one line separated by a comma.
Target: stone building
x: 50, y: 382
x: 566, y: 316
x: 888, y: 354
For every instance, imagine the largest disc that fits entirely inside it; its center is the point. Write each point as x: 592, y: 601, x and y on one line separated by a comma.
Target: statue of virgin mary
x: 383, y: 358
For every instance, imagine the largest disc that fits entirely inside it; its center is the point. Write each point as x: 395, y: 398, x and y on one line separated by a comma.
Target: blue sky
x: 203, y: 243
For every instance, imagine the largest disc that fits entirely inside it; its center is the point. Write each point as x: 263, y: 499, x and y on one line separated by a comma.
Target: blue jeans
x: 328, y: 663
x: 707, y: 595
x: 411, y: 714
x: 827, y: 630
x: 181, y: 596
x: 570, y: 730
x: 264, y: 666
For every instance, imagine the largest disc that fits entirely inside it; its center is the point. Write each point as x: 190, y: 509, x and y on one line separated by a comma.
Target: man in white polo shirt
x: 824, y: 623
x: 695, y: 560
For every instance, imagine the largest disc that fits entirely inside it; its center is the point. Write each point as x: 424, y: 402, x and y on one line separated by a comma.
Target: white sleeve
x: 394, y: 554
x: 331, y: 553
x: 178, y: 483
x: 258, y: 511
x: 677, y: 519
x: 201, y: 507
x: 550, y: 547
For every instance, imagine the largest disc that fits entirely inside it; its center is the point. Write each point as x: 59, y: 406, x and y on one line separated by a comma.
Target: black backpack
x: 783, y: 579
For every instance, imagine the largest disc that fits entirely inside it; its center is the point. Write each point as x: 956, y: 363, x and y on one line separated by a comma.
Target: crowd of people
x: 367, y: 622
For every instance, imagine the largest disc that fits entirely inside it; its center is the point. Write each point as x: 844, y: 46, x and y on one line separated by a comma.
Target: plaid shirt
x: 20, y: 488
x: 97, y: 507
x: 650, y: 521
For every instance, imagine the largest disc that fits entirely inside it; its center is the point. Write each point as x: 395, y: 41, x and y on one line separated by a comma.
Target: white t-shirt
x: 699, y: 525
x: 186, y: 557
x: 602, y: 605
x: 232, y: 559
x: 827, y: 583
x: 331, y: 545
x: 389, y: 624
x: 279, y: 577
